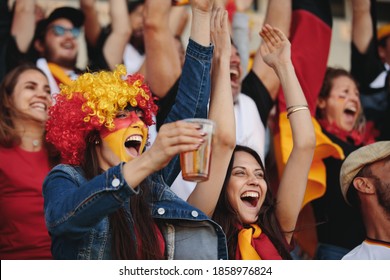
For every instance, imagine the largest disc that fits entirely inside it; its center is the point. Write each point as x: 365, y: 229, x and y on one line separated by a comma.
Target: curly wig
x: 91, y: 102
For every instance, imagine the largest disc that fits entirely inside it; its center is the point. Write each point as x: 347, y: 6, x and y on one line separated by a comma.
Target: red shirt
x: 23, y: 233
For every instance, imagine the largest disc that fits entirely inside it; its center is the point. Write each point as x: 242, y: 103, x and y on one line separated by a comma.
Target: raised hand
x: 220, y: 35
x: 275, y: 48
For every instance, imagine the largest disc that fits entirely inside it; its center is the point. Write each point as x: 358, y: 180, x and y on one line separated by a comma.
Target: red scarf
x: 358, y: 138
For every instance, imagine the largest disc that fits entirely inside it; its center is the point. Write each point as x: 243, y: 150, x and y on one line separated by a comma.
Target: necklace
x: 35, y: 143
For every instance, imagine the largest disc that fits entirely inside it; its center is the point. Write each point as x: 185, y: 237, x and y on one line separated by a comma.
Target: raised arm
x: 118, y: 37
x: 178, y: 19
x: 116, y: 42
x: 201, y: 11
x: 362, y: 24
x: 92, y: 27
x: 194, y: 85
x: 205, y: 194
x: 366, y: 64
x: 162, y: 59
x: 276, y: 53
x: 278, y: 15
x: 23, y: 23
x: 261, y: 83
x: 240, y: 31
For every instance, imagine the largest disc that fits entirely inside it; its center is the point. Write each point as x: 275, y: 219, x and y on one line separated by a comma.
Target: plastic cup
x: 195, y: 165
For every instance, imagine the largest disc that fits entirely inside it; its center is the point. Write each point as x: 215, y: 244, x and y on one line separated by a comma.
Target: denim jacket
x: 77, y: 210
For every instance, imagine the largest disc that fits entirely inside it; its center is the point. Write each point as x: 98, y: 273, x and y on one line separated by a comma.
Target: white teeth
x: 250, y: 194
x: 352, y: 109
x: 67, y: 45
x: 39, y: 106
x: 134, y: 138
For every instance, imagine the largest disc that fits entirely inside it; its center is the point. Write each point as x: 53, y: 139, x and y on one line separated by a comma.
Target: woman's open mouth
x: 250, y: 198
x: 351, y: 114
x: 133, y: 144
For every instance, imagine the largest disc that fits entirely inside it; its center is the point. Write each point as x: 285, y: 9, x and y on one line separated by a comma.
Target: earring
x: 97, y: 142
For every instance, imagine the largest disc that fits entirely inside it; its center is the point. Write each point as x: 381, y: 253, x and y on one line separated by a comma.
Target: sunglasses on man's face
x: 60, y: 30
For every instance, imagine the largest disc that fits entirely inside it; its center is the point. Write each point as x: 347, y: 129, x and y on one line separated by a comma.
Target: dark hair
x: 227, y: 217
x: 123, y: 243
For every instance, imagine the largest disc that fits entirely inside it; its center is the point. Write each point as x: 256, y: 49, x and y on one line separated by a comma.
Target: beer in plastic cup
x: 195, y: 165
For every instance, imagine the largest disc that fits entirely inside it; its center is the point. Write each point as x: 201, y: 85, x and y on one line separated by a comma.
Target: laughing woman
x: 339, y: 113
x: 24, y: 162
x: 257, y: 225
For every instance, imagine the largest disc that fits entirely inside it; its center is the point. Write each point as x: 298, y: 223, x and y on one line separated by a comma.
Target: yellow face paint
x: 128, y: 139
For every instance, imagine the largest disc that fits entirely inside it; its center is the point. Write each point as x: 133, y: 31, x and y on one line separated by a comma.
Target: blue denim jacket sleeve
x: 73, y: 205
x: 193, y: 95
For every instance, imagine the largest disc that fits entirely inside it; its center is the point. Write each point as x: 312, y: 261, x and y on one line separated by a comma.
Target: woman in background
x: 25, y: 161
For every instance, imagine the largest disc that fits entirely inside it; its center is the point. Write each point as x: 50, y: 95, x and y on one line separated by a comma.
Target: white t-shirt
x: 250, y: 132
x: 132, y: 59
x: 369, y: 250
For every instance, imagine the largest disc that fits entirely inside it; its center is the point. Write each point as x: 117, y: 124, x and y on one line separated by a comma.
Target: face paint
x: 128, y: 139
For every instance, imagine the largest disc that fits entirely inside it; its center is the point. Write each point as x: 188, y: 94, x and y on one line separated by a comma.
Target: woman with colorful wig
x: 25, y: 160
x: 110, y: 198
